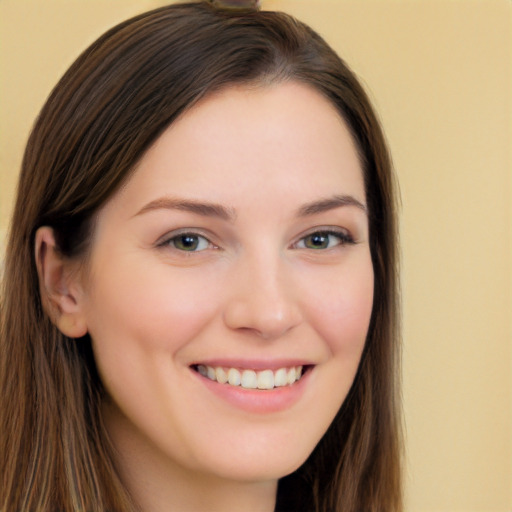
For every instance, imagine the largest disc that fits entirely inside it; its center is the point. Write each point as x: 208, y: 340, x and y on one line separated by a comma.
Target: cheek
x: 150, y: 310
x: 340, y: 310
x: 138, y: 326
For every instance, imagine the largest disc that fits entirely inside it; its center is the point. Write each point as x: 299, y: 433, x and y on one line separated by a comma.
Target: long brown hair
x: 106, y: 111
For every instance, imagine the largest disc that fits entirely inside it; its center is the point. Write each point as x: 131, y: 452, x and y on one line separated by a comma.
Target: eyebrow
x: 330, y: 203
x: 208, y: 209
x: 205, y: 209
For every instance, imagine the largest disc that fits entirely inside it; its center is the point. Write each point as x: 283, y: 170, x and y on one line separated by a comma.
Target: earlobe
x: 59, y: 286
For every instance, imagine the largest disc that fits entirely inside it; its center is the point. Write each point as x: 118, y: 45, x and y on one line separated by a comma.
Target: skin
x: 255, y: 290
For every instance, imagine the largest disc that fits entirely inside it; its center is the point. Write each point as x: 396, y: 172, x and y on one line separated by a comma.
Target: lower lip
x: 258, y: 401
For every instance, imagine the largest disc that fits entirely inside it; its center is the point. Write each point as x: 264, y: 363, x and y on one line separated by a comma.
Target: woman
x: 200, y: 299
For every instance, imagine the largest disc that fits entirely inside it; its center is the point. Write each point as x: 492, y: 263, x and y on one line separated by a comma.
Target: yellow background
x: 440, y: 75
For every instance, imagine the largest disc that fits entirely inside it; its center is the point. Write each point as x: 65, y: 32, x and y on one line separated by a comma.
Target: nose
x: 261, y: 300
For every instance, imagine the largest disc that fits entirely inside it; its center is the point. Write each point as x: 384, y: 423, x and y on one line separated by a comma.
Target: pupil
x: 318, y: 240
x: 188, y: 242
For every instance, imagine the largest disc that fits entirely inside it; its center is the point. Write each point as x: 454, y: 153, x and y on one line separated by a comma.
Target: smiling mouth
x: 251, y: 379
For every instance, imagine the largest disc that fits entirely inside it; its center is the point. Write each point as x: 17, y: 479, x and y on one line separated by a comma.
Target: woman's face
x: 237, y: 250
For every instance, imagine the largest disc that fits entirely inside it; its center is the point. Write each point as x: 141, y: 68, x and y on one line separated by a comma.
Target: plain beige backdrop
x: 440, y: 75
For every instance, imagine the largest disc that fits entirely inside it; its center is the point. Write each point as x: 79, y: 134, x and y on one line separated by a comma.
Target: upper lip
x: 254, y: 364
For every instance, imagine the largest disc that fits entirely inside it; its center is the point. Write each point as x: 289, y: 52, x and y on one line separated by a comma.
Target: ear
x: 59, y: 285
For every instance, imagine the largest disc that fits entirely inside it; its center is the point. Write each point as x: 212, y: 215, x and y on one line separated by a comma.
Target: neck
x: 159, y: 484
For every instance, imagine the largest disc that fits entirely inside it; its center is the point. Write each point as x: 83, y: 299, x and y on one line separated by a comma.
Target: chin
x: 256, y: 463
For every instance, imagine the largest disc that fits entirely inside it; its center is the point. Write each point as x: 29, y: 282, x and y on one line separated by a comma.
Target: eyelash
x: 343, y: 238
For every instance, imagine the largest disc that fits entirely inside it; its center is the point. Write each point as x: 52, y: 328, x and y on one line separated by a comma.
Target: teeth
x: 281, y: 378
x: 220, y: 375
x: 234, y: 377
x: 250, y: 379
x: 210, y: 372
x: 266, y: 379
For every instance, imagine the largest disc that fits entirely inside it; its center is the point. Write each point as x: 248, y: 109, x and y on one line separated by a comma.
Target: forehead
x: 261, y: 143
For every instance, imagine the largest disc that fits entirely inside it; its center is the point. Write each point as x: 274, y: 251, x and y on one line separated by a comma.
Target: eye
x: 324, y: 240
x: 188, y: 242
